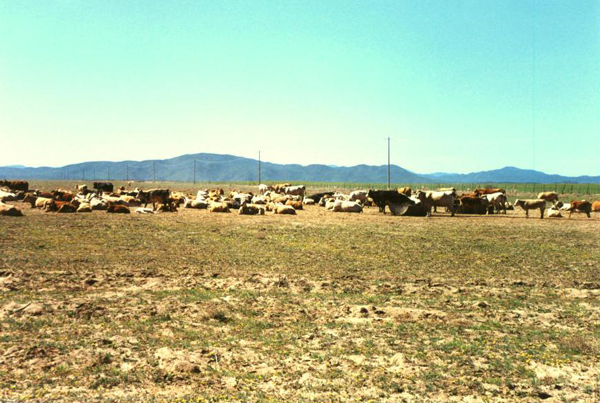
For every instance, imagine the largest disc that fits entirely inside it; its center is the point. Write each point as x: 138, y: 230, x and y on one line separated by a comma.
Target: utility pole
x: 83, y: 175
x: 259, y: 167
x: 154, y: 167
x: 127, y: 166
x: 388, y: 162
x: 108, y: 172
x: 194, y: 171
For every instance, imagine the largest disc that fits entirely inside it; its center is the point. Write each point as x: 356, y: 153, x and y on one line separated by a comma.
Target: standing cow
x: 436, y: 199
x: 551, y: 197
x: 527, y: 205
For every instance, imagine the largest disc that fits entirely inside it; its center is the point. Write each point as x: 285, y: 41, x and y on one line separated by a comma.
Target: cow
x: 251, y: 209
x: 198, y: 203
x: 596, y: 206
x: 280, y: 187
x: 9, y: 210
x: 450, y: 190
x: 283, y: 209
x: 297, y: 205
x: 346, y: 207
x: 473, y: 205
x: 7, y: 196
x: 318, y: 196
x: 358, y: 195
x: 103, y: 186
x: 553, y: 212
x: 144, y: 210
x: 98, y: 204
x: 551, y: 197
x: 562, y: 206
x: 532, y: 205
x: 82, y: 189
x: 215, y: 207
x: 295, y: 191
x: 582, y: 206
x: 417, y: 209
x: 497, y: 200
x: 259, y: 200
x: 437, y: 199
x: 308, y: 201
x: 154, y: 196
x: 84, y: 208
x: 382, y: 198
x: 262, y: 188
x: 117, y: 209
x: 60, y: 206
x: 16, y: 185
x: 486, y: 191
x: 406, y: 190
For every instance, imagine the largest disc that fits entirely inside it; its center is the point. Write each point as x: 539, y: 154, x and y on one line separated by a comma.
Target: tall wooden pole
x: 259, y: 167
x: 194, y: 171
x: 127, y: 172
x: 389, y: 177
x: 154, y: 170
x: 108, y: 173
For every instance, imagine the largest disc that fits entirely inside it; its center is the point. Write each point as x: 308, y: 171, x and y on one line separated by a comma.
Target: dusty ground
x: 322, y: 306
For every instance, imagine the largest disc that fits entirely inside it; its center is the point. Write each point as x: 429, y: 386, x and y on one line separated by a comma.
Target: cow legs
x: 588, y: 214
x: 526, y: 213
x: 541, y: 213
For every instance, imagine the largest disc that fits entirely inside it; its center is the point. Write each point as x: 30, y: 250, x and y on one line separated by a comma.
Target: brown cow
x: 60, y: 206
x: 582, y: 206
x: 117, y: 208
x: 532, y: 205
x: 487, y: 191
x: 10, y: 210
x: 297, y: 205
x: 596, y: 206
x: 405, y: 191
x: 551, y: 197
x: 16, y: 185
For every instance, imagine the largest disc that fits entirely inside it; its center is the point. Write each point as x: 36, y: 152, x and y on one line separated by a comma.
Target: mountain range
x: 231, y: 168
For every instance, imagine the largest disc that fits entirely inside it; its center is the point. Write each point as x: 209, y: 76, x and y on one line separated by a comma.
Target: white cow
x: 296, y: 191
x: 346, y: 207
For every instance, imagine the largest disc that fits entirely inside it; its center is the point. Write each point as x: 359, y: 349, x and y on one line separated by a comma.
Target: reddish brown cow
x: 488, y: 191
x: 596, y: 206
x: 582, y: 206
x: 117, y: 208
x: 60, y: 206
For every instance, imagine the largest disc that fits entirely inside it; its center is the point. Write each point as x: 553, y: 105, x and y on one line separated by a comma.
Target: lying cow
x: 582, y: 206
x: 117, y: 209
x: 347, y: 207
x: 251, y: 209
x: 297, y: 205
x: 84, y: 208
x: 534, y: 204
x: 553, y: 212
x: 551, y: 197
x: 473, y: 205
x: 215, y: 207
x: 283, y: 209
x: 596, y: 206
x: 60, y: 206
x: 9, y: 210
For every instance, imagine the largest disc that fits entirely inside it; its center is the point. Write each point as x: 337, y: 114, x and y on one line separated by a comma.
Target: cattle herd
x: 281, y: 198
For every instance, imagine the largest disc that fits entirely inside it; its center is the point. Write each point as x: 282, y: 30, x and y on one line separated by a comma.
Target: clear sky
x: 459, y: 86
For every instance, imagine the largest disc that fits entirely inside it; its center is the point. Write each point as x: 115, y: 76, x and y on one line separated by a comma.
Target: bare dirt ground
x: 326, y: 307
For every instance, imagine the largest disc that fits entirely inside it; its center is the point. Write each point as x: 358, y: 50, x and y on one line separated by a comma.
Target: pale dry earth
x: 322, y: 306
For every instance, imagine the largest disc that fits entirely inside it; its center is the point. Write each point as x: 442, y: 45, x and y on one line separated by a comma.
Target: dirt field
x: 325, y: 307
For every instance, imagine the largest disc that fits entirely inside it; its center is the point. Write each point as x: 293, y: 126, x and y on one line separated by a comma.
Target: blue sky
x: 459, y: 86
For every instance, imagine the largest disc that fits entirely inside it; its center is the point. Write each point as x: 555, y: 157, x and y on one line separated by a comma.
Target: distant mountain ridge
x: 230, y: 168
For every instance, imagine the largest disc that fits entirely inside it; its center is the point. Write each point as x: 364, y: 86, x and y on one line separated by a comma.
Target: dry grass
x: 315, y: 307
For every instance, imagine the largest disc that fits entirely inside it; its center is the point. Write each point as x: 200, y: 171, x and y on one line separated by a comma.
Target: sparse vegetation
x: 200, y: 307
